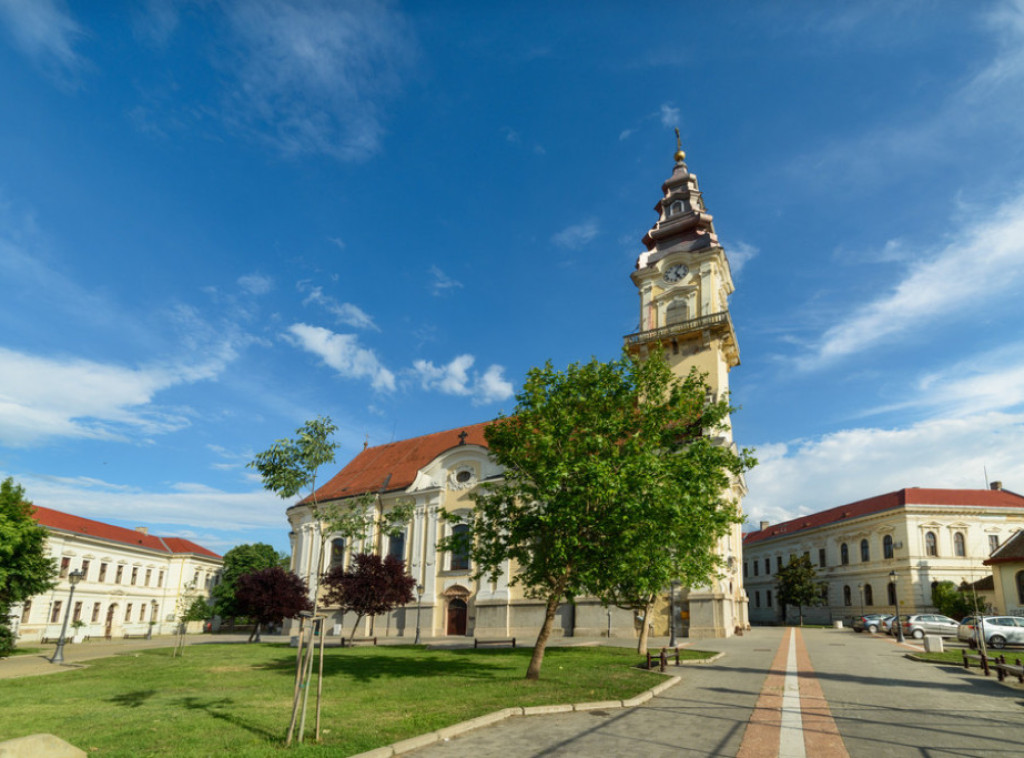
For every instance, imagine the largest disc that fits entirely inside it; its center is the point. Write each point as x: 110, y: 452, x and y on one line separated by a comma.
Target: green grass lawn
x: 946, y: 656
x: 236, y: 699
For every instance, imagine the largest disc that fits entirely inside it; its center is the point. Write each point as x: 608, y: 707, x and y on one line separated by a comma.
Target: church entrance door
x: 457, y: 617
x: 108, y: 630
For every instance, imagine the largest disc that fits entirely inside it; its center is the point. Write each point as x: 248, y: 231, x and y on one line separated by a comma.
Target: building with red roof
x: 128, y: 581
x: 868, y: 553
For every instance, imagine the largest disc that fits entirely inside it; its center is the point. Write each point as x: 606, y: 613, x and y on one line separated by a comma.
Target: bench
x: 1004, y: 669
x: 358, y: 640
x: 140, y: 636
x: 980, y: 658
x: 479, y: 643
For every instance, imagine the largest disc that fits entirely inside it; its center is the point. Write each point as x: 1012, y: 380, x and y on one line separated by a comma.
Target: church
x: 683, y: 281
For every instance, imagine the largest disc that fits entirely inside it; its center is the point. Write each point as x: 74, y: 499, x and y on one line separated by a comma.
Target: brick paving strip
x: 792, y: 718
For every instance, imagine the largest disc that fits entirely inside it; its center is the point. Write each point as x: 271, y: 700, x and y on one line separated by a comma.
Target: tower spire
x: 680, y: 155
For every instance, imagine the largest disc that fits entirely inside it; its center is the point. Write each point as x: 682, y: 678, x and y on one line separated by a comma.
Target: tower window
x: 677, y: 312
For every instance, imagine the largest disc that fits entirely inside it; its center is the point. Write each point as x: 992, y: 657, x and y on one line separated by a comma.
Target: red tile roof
x: 1011, y: 551
x: 65, y: 522
x: 391, y: 467
x: 889, y: 501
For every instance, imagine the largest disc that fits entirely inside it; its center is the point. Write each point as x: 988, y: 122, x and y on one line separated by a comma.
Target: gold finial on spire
x: 680, y: 155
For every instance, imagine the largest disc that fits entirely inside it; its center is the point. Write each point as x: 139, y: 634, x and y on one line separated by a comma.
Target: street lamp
x: 896, y: 602
x: 860, y: 591
x: 672, y: 614
x: 73, y: 578
x: 419, y: 602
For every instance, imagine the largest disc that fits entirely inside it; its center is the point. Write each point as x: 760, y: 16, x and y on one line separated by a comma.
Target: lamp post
x: 896, y: 602
x: 73, y: 578
x: 672, y: 614
x: 419, y: 602
x: 860, y: 591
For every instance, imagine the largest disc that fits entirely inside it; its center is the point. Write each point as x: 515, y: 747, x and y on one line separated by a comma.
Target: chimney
x: 764, y: 525
x: 996, y: 486
x: 142, y: 529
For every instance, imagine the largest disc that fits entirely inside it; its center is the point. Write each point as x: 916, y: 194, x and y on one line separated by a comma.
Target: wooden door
x: 108, y: 629
x: 457, y: 617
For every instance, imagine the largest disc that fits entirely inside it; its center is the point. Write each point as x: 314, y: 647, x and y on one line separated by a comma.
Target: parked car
x: 920, y: 624
x: 889, y: 625
x: 870, y: 623
x: 1000, y: 631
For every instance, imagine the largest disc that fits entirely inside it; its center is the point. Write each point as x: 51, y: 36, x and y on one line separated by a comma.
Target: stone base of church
x: 713, y: 616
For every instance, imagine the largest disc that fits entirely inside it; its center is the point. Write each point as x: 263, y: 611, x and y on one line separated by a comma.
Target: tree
x: 613, y: 486
x: 290, y: 465
x: 238, y: 561
x: 951, y: 601
x: 190, y: 608
x: 25, y: 567
x: 796, y: 585
x: 269, y: 596
x: 361, y: 517
x: 369, y: 587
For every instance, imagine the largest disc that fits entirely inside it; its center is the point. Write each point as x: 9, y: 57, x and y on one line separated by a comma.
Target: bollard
x: 984, y: 664
x: 664, y: 660
x: 967, y: 663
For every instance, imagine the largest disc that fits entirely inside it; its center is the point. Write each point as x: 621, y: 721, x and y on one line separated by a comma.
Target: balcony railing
x: 710, y: 321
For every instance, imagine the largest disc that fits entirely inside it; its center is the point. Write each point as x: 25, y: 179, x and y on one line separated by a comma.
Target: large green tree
x: 239, y: 561
x: 613, y: 485
x: 797, y: 584
x: 25, y: 567
x: 953, y: 601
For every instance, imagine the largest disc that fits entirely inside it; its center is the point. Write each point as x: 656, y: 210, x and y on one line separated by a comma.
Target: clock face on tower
x: 675, y: 273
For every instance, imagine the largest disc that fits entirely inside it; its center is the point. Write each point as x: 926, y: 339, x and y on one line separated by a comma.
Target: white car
x: 1000, y: 631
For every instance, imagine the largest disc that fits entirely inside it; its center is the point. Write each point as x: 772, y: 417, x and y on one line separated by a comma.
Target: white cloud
x: 43, y: 398
x: 808, y: 475
x: 47, y: 33
x: 626, y: 134
x: 577, y: 235
x: 669, y: 115
x: 184, y: 504
x: 441, y: 282
x: 740, y: 254
x: 456, y: 379
x: 983, y: 260
x: 343, y: 353
x: 337, y: 242
x: 345, y: 313
x: 313, y: 77
x: 256, y: 284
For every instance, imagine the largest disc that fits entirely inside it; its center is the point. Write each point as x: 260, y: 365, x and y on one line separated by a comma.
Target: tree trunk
x: 533, y: 672
x: 255, y: 635
x: 801, y: 608
x: 359, y: 617
x: 641, y: 643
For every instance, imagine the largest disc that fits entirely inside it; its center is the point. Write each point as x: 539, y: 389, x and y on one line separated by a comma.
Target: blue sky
x: 220, y: 219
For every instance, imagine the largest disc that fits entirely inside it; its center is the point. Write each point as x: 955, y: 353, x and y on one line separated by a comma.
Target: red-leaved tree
x: 269, y: 596
x: 369, y: 587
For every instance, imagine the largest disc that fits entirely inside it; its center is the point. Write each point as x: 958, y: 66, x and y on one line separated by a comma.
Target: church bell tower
x: 684, y: 282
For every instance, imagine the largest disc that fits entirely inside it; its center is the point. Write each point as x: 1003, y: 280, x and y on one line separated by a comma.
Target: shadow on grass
x: 217, y: 709
x: 132, y: 699
x: 366, y: 667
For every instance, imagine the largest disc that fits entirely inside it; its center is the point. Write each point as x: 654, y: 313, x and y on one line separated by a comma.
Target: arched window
x: 460, y: 556
x: 959, y: 545
x: 892, y: 593
x: 846, y: 595
x: 887, y: 546
x: 865, y: 551
x: 931, y: 545
x: 869, y: 596
x: 396, y: 546
x: 1020, y: 587
x: 844, y: 555
x: 677, y: 312
x: 337, y: 552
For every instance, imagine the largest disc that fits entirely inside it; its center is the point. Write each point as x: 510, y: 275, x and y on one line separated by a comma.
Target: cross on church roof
x: 462, y: 437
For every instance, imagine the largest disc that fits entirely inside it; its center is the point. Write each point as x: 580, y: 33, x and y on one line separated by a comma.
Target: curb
x: 456, y: 730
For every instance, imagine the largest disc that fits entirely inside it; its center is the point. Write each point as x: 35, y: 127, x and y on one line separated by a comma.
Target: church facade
x: 683, y: 281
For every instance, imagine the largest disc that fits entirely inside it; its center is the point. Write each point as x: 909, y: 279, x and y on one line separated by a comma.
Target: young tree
x: 796, y: 584
x: 238, y: 561
x: 290, y: 465
x: 369, y: 587
x: 612, y: 480
x: 25, y: 567
x: 361, y: 517
x: 269, y: 596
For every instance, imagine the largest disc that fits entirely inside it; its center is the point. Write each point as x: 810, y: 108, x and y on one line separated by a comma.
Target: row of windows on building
x: 867, y: 598
x: 151, y: 608
x: 119, y: 573
x: 931, y: 548
x: 458, y: 560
